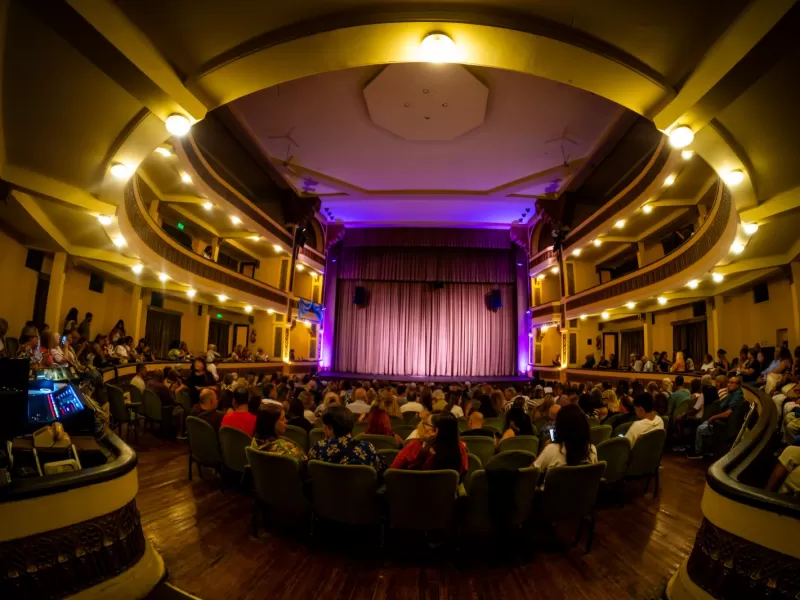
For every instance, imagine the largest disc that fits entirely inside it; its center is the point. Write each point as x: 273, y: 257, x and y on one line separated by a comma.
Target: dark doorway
x: 219, y: 335
x: 40, y: 301
x: 163, y: 328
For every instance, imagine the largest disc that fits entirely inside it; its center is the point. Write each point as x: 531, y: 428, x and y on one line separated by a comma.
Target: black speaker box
x: 493, y: 300
x: 360, y: 296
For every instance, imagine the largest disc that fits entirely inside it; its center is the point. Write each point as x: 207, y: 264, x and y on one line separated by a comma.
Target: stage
x: 326, y: 375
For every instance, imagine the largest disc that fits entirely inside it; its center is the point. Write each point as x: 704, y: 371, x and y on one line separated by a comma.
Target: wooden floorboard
x: 204, y: 537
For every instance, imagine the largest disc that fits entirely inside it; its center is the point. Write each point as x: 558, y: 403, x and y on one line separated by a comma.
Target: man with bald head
x: 206, y: 409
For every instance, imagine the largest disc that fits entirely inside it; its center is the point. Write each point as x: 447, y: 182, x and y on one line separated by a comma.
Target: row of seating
x: 350, y: 494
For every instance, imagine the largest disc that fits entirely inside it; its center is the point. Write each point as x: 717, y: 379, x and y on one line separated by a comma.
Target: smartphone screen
x: 552, y: 435
x: 621, y: 435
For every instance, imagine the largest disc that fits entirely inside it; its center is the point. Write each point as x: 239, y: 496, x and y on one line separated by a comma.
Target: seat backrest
x: 314, y: 436
x: 473, y: 464
x: 599, y: 433
x: 381, y: 442
x: 480, y: 446
x: 136, y: 396
x: 682, y: 407
x: 403, y: 430
x: 298, y: 435
x: 388, y: 455
x: 646, y: 453
x: 736, y: 420
x: 494, y: 423
x: 594, y: 422
x: 395, y: 421
x: 529, y: 443
x: 12, y: 346
x: 276, y: 480
x: 570, y: 492
x: 622, y: 429
x: 411, y: 417
x: 116, y: 403
x: 232, y: 442
x: 203, y: 443
x: 152, y: 405
x: 616, y: 453
x: 345, y: 493
x: 615, y: 420
x: 511, y: 459
x: 477, y: 516
x: 711, y: 409
x: 421, y: 500
x: 463, y: 424
x: 359, y: 428
x: 183, y: 400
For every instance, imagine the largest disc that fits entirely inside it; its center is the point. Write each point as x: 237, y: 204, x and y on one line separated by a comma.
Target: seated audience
x: 261, y: 356
x: 681, y: 394
x: 439, y: 402
x: 613, y: 362
x: 389, y: 403
x: 339, y: 445
x: 679, y: 366
x: 424, y: 428
x: 378, y: 423
x: 118, y: 332
x: 708, y: 364
x: 454, y: 399
x: 199, y: 379
x: 732, y: 400
x: 359, y: 405
x: 648, y: 419
x: 243, y: 414
x: 750, y: 371
x: 589, y: 362
x: 663, y: 363
x: 175, y: 353
x: 649, y: 365
x: 636, y: 363
x: 603, y: 364
x: 269, y: 427
x: 517, y: 423
x: 185, y: 349
x: 138, y: 380
x: 295, y: 413
x: 475, y: 426
x: 442, y: 450
x: 571, y: 446
x: 722, y: 386
x: 785, y: 471
x: 206, y: 408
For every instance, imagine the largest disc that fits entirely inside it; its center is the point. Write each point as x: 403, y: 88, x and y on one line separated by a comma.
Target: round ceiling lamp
x: 178, y: 125
x: 120, y: 171
x: 662, y: 300
x: 734, y: 177
x: 137, y: 269
x: 438, y: 48
x: 681, y: 136
x: 750, y: 228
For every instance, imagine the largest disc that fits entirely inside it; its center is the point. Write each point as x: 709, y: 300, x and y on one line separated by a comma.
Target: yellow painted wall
x: 742, y: 322
x: 661, y: 332
x: 650, y: 253
x: 16, y: 306
x: 269, y: 271
x: 302, y: 285
x: 550, y: 288
x: 587, y: 330
x: 585, y: 275
x: 299, y: 339
x: 107, y: 308
x: 551, y: 347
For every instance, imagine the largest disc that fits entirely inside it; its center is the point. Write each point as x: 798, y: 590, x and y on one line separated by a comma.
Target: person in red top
x: 378, y: 423
x: 443, y: 450
x: 243, y: 414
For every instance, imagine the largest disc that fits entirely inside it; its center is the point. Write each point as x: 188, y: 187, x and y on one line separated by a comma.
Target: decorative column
x: 523, y: 310
x: 55, y: 292
x: 327, y: 333
x: 136, y: 313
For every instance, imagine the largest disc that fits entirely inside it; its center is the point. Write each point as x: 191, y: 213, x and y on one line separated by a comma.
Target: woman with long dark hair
x: 442, y: 450
x: 572, y: 446
x: 517, y: 423
x: 71, y: 321
x: 199, y: 379
x: 378, y: 423
x: 295, y: 413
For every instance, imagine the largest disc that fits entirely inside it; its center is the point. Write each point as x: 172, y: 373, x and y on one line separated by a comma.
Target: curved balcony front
x: 691, y: 260
x: 161, y: 253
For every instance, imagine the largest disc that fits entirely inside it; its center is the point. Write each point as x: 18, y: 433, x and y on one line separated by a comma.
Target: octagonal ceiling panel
x: 426, y: 101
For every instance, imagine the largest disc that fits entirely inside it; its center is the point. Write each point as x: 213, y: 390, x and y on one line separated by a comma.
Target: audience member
x: 206, y: 408
x: 199, y: 379
x: 679, y: 366
x: 648, y: 419
x: 339, y: 446
x: 359, y: 404
x: 442, y: 450
x: 571, y: 446
x: 732, y: 400
x: 85, y: 327
x: 117, y: 332
x: 517, y: 423
x: 138, y: 380
x: 243, y: 414
x: 681, y: 394
x: 785, y: 472
x: 708, y: 364
x: 295, y: 412
x: 378, y: 423
x: 270, y: 425
x: 475, y: 426
x: 589, y: 362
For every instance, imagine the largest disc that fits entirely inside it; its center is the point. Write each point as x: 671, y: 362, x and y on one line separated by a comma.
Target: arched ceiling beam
x: 739, y: 56
x: 42, y: 185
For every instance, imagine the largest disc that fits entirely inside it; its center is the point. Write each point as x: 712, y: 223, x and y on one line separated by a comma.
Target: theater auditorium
x: 356, y: 299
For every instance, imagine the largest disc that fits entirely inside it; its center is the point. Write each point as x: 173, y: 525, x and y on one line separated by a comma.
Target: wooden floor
x: 205, y: 539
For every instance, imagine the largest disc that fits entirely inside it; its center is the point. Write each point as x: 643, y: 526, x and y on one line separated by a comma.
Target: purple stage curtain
x: 412, y: 329
x: 425, y: 237
x: 464, y: 265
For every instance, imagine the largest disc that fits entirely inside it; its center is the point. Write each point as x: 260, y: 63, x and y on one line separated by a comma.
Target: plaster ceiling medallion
x: 424, y: 102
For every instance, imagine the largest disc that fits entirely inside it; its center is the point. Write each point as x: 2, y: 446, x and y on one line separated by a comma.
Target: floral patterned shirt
x: 347, y: 451
x: 280, y: 446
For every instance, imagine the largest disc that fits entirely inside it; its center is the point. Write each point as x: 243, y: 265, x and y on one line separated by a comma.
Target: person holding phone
x: 570, y: 441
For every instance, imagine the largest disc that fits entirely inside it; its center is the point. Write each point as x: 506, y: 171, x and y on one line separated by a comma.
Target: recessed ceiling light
x: 583, y: 317
x: 681, y: 136
x: 105, y: 219
x: 186, y: 178
x: 118, y: 241
x: 576, y: 252
x: 749, y: 228
x: 137, y: 269
x: 687, y: 154
x: 191, y: 292
x: 299, y: 267
x: 630, y: 304
x: 162, y: 277
x: 307, y: 324
x: 541, y: 276
x: 692, y: 285
x: 737, y: 247
x: 236, y: 220
x: 554, y: 270
x: 438, y: 48
x: 670, y: 180
x: 313, y: 274
x: 254, y: 238
x: 597, y: 243
x: 208, y: 205
x: 222, y: 297
x: 647, y: 209
x: 276, y: 247
x: 734, y: 177
x: 717, y: 277
x: 620, y: 224
x: 544, y: 327
x: 604, y: 315
x: 270, y: 311
x: 662, y: 301
x: 163, y: 152
x: 248, y: 309
x: 178, y: 124
x: 120, y: 171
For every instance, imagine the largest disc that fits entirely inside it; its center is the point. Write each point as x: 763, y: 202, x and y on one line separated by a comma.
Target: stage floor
x: 419, y: 378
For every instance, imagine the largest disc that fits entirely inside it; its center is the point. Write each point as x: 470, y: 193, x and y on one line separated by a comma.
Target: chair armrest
x: 133, y: 404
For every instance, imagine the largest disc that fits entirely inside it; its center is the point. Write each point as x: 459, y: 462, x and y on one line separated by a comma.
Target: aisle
x: 204, y: 538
